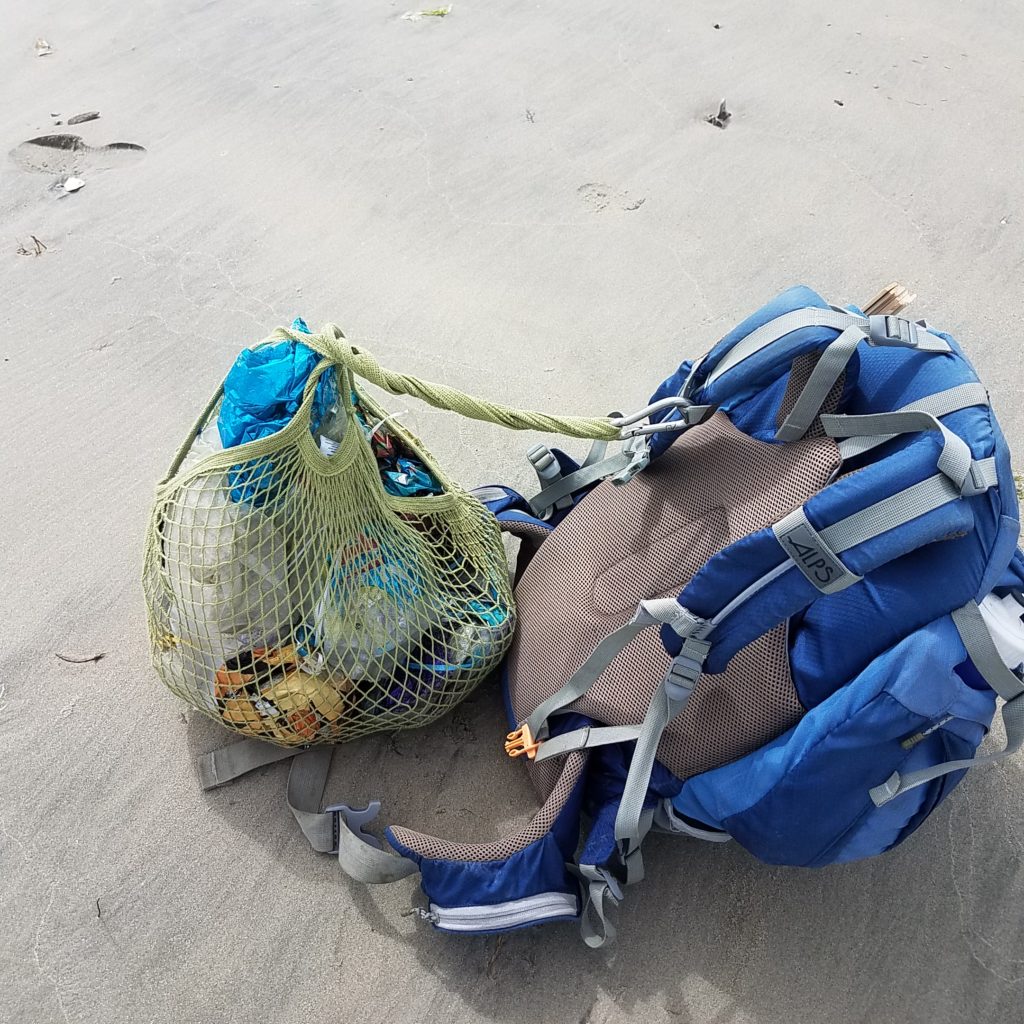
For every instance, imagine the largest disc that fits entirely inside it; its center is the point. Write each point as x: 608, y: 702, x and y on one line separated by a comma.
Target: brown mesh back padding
x: 567, y: 775
x: 525, y: 531
x: 800, y: 374
x: 648, y: 539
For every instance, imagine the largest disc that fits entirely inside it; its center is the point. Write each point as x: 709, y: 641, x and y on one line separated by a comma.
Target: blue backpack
x: 782, y: 614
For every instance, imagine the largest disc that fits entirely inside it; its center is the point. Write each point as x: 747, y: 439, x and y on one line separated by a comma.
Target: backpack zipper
x: 530, y: 910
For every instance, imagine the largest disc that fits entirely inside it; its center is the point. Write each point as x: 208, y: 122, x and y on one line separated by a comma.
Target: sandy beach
x: 524, y: 201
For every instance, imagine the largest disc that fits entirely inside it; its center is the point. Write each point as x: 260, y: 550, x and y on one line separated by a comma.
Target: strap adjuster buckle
x: 685, y: 669
x: 355, y: 819
x: 640, y: 458
x: 521, y: 741
x: 887, y: 330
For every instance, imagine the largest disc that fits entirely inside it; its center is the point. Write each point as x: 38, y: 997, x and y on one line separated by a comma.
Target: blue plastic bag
x: 262, y: 392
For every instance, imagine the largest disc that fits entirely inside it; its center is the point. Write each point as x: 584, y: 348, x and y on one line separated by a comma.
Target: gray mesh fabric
x: 567, y: 775
x: 648, y: 539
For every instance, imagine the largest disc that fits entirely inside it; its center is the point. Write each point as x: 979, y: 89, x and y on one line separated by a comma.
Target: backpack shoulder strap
x: 848, y: 529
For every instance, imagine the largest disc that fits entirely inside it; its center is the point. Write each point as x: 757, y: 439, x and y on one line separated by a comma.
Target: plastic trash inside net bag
x: 298, y: 596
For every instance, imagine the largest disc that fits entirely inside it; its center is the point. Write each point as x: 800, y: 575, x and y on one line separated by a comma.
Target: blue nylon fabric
x: 600, y: 848
x: 803, y: 799
x: 754, y: 414
x: 872, y: 616
x: 758, y: 371
x: 1004, y: 501
x: 797, y: 297
x: 566, y: 463
x: 539, y: 868
x: 889, y: 378
x: 607, y: 772
x: 512, y: 500
x: 789, y: 595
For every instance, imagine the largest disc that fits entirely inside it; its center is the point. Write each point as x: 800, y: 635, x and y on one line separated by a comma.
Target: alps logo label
x: 812, y: 557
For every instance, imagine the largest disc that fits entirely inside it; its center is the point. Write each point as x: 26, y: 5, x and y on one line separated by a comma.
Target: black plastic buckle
x: 892, y: 330
x: 355, y: 819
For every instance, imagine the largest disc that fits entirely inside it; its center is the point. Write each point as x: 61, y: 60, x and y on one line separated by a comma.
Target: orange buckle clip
x: 521, y: 742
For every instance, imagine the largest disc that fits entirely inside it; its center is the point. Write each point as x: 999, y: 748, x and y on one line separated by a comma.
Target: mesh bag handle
x: 332, y: 344
x: 353, y: 361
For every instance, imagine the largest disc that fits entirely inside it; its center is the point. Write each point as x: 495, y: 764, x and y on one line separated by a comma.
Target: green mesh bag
x: 328, y: 608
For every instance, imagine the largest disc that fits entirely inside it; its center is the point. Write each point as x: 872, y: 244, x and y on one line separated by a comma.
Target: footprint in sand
x: 601, y: 197
x: 69, y: 154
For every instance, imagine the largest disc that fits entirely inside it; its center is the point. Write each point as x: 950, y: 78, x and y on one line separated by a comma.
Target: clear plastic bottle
x: 332, y: 429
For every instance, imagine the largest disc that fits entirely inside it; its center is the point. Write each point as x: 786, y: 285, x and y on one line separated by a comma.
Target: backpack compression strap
x: 740, y: 364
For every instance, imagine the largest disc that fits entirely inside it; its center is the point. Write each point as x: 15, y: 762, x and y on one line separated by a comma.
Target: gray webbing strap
x: 903, y: 506
x: 891, y: 329
x: 826, y: 372
x: 566, y: 486
x: 889, y: 513
x: 358, y: 859
x: 669, y: 699
x: 585, y: 738
x: 632, y: 821
x: 649, y: 613
x: 307, y: 778
x: 954, y: 459
x: 981, y: 648
x: 597, y: 452
x: 982, y: 651
x: 595, y: 927
x: 811, y: 554
x: 963, y: 396
x: 778, y: 328
x: 883, y: 330
x: 234, y: 760
x: 548, y: 471
x: 598, y: 449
